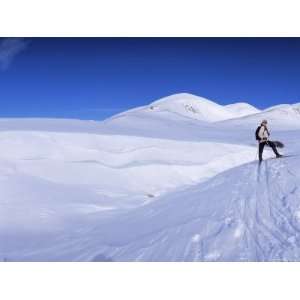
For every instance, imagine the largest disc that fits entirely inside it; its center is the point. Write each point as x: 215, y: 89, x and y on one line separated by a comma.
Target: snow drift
x: 175, y: 180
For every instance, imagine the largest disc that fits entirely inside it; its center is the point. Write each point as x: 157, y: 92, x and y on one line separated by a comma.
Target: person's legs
x: 272, y: 145
x: 260, y: 150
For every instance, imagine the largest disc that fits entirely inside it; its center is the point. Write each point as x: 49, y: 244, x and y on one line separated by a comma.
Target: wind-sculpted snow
x: 151, y: 184
x: 248, y: 213
x: 255, y: 220
x: 117, y: 164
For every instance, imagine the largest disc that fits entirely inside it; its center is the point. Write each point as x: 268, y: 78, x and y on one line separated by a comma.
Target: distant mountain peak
x: 191, y: 106
x: 183, y: 97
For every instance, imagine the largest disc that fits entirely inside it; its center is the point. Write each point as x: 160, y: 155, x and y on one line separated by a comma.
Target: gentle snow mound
x: 193, y: 106
x: 242, y: 109
x: 184, y: 105
x: 280, y: 117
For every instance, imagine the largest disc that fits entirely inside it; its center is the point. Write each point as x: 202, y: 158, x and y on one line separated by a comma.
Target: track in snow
x: 256, y: 221
x: 272, y: 233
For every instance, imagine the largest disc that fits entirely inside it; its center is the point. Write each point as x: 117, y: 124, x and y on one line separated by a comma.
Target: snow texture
x: 177, y: 180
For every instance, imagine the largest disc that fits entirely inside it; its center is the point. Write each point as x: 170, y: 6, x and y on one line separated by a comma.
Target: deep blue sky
x: 92, y: 78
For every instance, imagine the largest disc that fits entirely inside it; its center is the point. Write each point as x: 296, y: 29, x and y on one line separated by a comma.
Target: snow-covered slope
x: 193, y: 106
x: 152, y: 184
x: 256, y: 219
x: 242, y: 109
x: 285, y: 111
x: 122, y: 165
x: 295, y: 106
x: 244, y: 214
x: 180, y: 116
x: 189, y: 106
x: 284, y: 116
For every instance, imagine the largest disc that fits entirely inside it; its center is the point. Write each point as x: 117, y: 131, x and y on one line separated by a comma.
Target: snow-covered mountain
x: 242, y: 109
x: 194, y: 107
x: 284, y: 116
x: 176, y: 180
x: 177, y: 116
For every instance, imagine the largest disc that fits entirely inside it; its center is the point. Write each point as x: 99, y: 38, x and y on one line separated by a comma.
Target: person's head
x: 264, y: 122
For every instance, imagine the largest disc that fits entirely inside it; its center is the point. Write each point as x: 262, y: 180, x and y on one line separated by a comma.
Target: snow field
x: 176, y: 180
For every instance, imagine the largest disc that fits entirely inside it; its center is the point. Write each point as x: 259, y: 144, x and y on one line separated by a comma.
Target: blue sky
x: 93, y: 78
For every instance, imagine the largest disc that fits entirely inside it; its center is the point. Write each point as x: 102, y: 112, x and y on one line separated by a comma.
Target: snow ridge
x: 175, y: 180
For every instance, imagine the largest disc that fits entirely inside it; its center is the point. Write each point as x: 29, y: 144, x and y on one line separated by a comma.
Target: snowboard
x: 277, y: 144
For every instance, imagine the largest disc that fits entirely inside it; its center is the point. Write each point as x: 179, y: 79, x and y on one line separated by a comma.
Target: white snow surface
x: 282, y: 117
x: 242, y: 109
x: 165, y: 182
x: 189, y: 106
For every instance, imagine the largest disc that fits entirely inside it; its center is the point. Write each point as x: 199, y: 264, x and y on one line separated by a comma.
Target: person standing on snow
x: 262, y: 135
